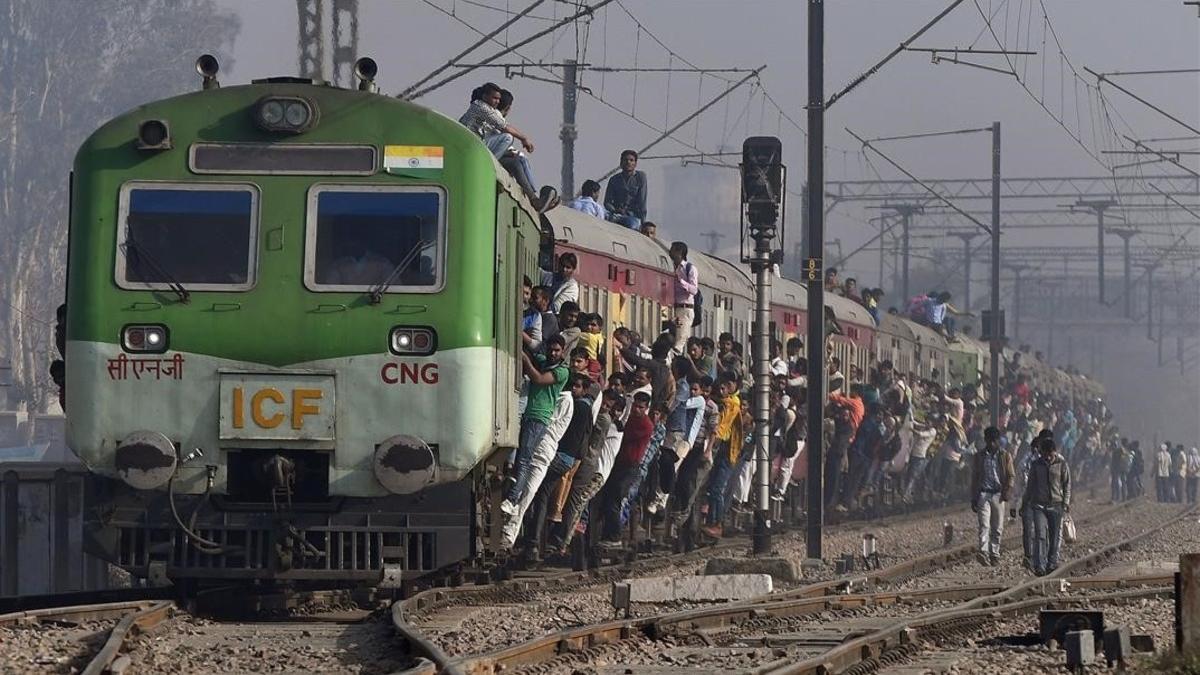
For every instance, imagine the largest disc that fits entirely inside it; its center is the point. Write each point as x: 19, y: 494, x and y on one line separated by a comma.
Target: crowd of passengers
x: 932, y: 309
x: 663, y: 431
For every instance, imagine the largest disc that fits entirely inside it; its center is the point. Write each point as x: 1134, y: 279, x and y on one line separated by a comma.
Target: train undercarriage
x: 332, y: 541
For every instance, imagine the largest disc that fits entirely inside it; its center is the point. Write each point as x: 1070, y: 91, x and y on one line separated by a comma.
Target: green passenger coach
x: 292, y: 321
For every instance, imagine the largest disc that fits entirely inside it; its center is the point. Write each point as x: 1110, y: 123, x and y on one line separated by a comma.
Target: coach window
x: 361, y: 238
x: 200, y: 236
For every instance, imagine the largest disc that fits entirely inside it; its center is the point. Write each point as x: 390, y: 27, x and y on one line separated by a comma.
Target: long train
x: 292, y: 331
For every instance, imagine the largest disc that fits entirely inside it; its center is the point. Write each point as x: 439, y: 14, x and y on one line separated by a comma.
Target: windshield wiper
x: 142, y: 255
x: 376, y: 293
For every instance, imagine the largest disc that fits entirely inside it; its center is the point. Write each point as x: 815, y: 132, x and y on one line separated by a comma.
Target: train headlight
x: 154, y: 135
x: 412, y: 341
x: 145, y: 338
x: 271, y: 113
x: 286, y: 114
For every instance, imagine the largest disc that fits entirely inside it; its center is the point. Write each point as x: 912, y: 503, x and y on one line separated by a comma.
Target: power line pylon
x: 714, y: 238
x: 340, y: 43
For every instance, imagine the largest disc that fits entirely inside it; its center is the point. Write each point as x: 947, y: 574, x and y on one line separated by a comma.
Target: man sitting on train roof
x: 588, y: 200
x: 650, y: 230
x: 625, y: 197
x: 485, y: 119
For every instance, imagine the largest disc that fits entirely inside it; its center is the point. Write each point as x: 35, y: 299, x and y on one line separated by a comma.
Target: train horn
x: 208, y: 67
x: 365, y: 69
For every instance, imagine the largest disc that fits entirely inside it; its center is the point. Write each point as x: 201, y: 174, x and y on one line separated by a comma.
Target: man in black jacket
x: 1048, y: 499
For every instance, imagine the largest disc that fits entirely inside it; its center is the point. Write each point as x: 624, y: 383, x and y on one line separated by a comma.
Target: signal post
x: 762, y: 198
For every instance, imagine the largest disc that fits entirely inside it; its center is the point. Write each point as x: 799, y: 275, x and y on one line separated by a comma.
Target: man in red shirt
x: 1021, y: 389
x: 849, y: 412
x: 638, y: 430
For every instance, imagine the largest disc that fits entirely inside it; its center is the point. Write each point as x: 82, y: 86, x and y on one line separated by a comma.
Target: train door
x: 512, y: 265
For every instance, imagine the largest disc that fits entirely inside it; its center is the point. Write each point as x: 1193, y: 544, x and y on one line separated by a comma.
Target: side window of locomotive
x: 197, y: 235
x: 360, y: 238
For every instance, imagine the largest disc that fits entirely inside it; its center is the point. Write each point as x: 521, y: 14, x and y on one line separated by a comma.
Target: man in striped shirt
x: 485, y: 119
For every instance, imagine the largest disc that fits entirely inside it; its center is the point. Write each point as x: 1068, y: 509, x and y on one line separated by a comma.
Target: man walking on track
x: 991, y: 483
x: 1048, y: 498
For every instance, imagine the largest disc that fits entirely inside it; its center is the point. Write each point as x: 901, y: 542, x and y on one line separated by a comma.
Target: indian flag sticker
x: 412, y: 157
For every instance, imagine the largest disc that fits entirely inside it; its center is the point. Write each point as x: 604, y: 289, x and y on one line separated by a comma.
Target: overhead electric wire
x: 508, y: 49
x: 599, y: 98
x: 474, y: 45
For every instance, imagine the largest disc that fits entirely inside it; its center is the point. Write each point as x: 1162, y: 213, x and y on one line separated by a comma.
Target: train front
x: 281, y: 349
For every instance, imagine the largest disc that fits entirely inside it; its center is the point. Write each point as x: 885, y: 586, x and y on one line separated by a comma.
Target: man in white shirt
x: 918, y: 457
x: 588, y: 200
x: 539, y: 462
x: 597, y: 462
x: 562, y: 283
x: 779, y: 366
x: 687, y: 285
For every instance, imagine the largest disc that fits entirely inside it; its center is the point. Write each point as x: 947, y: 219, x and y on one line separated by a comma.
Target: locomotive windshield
x: 364, y: 238
x: 194, y: 236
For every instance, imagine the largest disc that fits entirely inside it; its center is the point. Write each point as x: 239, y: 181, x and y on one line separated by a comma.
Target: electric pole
x: 997, y: 332
x: 568, y: 133
x: 1126, y: 234
x: 1098, y: 207
x: 966, y: 237
x: 714, y: 238
x: 814, y: 278
x: 905, y: 211
x: 1150, y: 301
x: 1017, y: 269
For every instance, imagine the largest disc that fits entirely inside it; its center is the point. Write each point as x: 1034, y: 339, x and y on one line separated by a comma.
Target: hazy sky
x: 409, y: 38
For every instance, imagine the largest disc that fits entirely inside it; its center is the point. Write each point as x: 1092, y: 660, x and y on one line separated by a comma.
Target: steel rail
x: 134, y: 616
x: 435, y: 598
x: 584, y: 637
x: 128, y: 626
x: 95, y: 612
x: 906, y: 631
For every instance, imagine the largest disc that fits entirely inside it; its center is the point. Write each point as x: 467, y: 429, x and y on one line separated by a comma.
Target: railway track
x: 737, y: 636
x: 162, y: 636
x: 65, y: 632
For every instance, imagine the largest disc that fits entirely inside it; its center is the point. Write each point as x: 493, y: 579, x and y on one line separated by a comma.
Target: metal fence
x: 41, y: 531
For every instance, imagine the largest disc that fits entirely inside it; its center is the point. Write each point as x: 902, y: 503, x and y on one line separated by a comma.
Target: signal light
x: 412, y: 341
x: 145, y: 339
x: 286, y: 114
x: 154, y: 135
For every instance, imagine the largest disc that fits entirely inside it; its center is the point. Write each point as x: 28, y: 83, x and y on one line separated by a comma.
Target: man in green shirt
x: 547, y: 374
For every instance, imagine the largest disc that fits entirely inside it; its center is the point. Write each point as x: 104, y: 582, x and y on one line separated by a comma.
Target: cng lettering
x: 409, y: 373
x: 269, y: 407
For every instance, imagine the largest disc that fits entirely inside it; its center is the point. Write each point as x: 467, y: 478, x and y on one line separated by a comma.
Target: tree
x: 65, y: 68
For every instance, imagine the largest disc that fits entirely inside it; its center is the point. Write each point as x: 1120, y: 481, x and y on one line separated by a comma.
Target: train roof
x: 607, y: 238
x: 788, y: 293
x: 725, y: 275
x: 847, y: 310
x: 908, y: 329
x: 794, y: 294
x: 602, y: 236
x: 969, y: 345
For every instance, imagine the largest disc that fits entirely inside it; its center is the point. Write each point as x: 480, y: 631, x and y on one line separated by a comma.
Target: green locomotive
x: 292, y: 325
